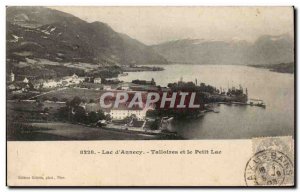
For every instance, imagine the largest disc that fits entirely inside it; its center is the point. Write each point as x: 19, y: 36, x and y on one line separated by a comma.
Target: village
x: 43, y: 101
x: 42, y: 105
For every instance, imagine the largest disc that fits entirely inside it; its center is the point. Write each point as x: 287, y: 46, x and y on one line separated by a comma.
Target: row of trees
x: 55, y: 99
x: 75, y: 113
x: 191, y: 86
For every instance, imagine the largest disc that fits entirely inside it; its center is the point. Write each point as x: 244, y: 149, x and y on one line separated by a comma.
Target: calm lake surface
x: 234, y: 122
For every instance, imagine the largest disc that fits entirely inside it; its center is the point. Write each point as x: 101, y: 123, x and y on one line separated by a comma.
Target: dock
x: 259, y: 104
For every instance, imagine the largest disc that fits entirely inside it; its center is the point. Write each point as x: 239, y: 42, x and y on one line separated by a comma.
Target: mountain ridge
x: 267, y: 49
x: 51, y: 34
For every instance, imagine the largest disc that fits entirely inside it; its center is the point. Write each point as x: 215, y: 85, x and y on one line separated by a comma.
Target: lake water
x: 234, y: 122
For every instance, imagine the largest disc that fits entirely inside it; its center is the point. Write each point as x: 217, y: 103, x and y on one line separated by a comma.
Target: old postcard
x: 150, y: 96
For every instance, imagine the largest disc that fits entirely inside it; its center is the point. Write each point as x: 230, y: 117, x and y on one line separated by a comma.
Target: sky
x: 154, y: 25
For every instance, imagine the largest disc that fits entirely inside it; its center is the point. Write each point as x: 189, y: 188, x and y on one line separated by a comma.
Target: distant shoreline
x: 280, y: 68
x: 141, y: 68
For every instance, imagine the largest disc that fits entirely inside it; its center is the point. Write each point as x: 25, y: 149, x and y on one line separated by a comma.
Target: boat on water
x: 261, y: 105
x: 257, y: 102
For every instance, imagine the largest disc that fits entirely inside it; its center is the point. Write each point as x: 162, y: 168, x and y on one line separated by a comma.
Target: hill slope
x: 38, y: 32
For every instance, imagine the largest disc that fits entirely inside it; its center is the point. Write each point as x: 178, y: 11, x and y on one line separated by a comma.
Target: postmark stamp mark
x: 269, y: 168
x: 272, y: 162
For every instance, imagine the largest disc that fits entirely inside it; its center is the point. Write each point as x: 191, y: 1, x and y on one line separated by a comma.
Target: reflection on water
x: 234, y: 122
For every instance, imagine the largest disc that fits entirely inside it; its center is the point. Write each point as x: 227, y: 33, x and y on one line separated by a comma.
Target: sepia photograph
x: 61, y: 60
x: 150, y: 96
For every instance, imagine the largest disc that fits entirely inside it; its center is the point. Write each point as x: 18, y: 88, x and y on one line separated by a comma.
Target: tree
x: 108, y: 117
x: 64, y: 99
x: 75, y: 101
x: 130, y: 118
x: 54, y: 99
x: 101, y: 115
x: 31, y: 87
x: 79, y: 114
x: 171, y: 85
x: 45, y: 98
x: 152, y: 113
x: 46, y: 110
x: 93, y: 117
x: 40, y: 104
x: 154, y: 125
x: 63, y: 113
x: 153, y: 82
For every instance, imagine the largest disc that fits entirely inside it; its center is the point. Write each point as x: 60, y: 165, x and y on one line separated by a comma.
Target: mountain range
x: 266, y: 49
x: 44, y: 33
x: 39, y: 32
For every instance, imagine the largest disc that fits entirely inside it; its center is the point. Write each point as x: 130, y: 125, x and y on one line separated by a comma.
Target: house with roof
x: 20, y: 86
x: 51, y: 83
x: 125, y: 86
x: 38, y: 84
x: 97, y: 80
x: 123, y: 112
x: 113, y: 80
x: 107, y: 87
x: 11, y: 87
x: 25, y: 80
x: 74, y: 79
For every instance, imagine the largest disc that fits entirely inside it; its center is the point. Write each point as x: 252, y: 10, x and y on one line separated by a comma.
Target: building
x: 74, y: 79
x: 125, y: 86
x: 97, y: 80
x: 38, y: 84
x: 11, y: 77
x: 83, y: 105
x: 113, y: 80
x: 107, y: 87
x: 74, y: 76
x: 89, y: 107
x: 81, y: 79
x: 25, y: 80
x: 88, y: 79
x: 11, y: 87
x: 18, y: 87
x: 123, y: 113
x: 166, y: 123
x: 51, y: 84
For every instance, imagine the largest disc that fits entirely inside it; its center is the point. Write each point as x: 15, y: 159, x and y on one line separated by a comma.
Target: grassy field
x: 20, y: 111
x: 32, y: 105
x: 67, y: 131
x: 70, y: 93
x: 25, y: 122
